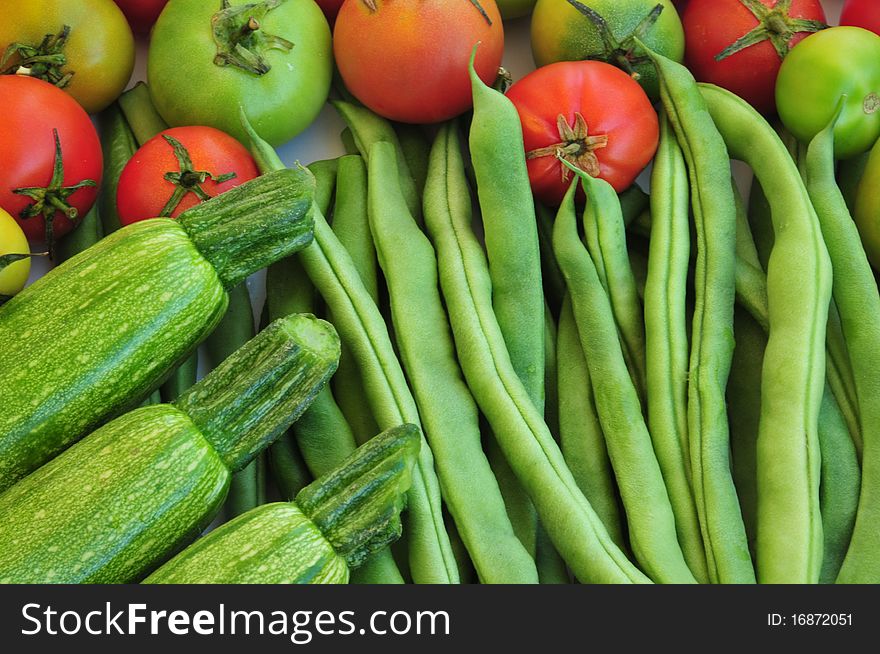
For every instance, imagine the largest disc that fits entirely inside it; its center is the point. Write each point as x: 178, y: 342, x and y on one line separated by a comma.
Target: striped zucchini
x: 121, y: 501
x: 332, y: 525
x: 100, y: 332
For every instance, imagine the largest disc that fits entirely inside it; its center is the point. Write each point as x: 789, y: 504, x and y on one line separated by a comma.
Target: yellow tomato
x: 12, y: 241
x: 98, y: 52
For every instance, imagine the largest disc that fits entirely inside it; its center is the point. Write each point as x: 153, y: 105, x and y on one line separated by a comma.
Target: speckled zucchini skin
x: 272, y: 544
x: 114, y: 506
x: 96, y: 335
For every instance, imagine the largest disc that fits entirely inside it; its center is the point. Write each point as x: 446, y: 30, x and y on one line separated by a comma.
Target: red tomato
x: 145, y: 190
x: 141, y: 14
x: 330, y: 9
x: 596, y: 112
x: 34, y: 112
x: 710, y: 26
x: 861, y: 13
x: 407, y: 60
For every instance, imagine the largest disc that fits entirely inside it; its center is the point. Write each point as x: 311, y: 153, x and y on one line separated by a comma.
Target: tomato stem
x: 43, y: 61
x: 240, y: 39
x: 576, y: 146
x: 49, y: 200
x: 620, y: 52
x: 187, y: 179
x: 775, y: 24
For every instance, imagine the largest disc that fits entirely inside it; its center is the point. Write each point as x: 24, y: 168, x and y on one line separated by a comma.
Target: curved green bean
x: 118, y: 146
x: 789, y: 547
x: 667, y: 341
x: 88, y: 232
x: 572, y: 524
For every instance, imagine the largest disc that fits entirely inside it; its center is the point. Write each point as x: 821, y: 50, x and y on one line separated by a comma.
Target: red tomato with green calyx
x: 861, y: 13
x: 740, y: 44
x: 589, y: 113
x: 177, y: 169
x: 407, y: 60
x: 51, y: 154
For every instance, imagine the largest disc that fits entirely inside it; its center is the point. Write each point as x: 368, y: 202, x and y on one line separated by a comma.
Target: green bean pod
x: 118, y: 146
x: 416, y: 149
x: 367, y: 128
x: 448, y: 411
x: 287, y: 467
x: 580, y: 433
x: 789, y: 547
x: 724, y: 538
x: 554, y: 284
x: 361, y: 326
x: 140, y: 113
x: 667, y: 341
x: 88, y: 232
x: 645, y: 499
x: 849, y: 176
x: 858, y: 302
x: 529, y: 447
x: 351, y: 225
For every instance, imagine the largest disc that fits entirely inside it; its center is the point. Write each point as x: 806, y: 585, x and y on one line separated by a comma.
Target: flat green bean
x: 118, y: 145
x: 88, y: 232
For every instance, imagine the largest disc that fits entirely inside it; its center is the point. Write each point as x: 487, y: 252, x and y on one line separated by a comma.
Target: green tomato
x: 836, y: 66
x: 867, y: 207
x: 271, y: 57
x: 13, y: 275
x: 515, y: 8
x: 561, y: 32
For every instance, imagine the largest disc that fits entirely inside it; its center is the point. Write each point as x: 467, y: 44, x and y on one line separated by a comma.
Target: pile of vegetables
x: 536, y: 329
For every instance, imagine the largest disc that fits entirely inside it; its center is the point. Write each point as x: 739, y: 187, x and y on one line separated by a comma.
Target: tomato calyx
x: 576, y: 147
x: 187, y: 179
x: 775, y: 24
x: 240, y: 39
x: 44, y: 61
x: 620, y: 52
x: 47, y: 200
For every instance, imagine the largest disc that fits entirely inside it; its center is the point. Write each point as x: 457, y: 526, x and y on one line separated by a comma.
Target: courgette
x: 101, y: 331
x: 125, y: 498
x: 332, y: 525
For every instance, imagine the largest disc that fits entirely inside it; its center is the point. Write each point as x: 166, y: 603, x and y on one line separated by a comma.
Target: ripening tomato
x: 155, y: 183
x: 88, y: 42
x: 13, y: 276
x: 594, y: 115
x: 407, y: 60
x: 861, y: 13
x: 141, y: 14
x: 40, y: 121
x: 718, y: 50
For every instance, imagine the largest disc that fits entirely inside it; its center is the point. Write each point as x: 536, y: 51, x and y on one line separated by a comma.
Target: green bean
x: 724, y: 538
x: 118, y: 146
x: 352, y: 227
x: 858, y: 301
x: 445, y: 405
x: 287, y: 467
x: 606, y: 243
x: 551, y: 567
x: 667, y: 342
x: 367, y: 128
x: 645, y: 499
x: 849, y: 175
x: 182, y: 379
x: 554, y: 284
x: 581, y: 437
x: 516, y: 500
x: 638, y: 261
x: 633, y: 202
x: 361, y: 326
x: 789, y: 547
x: 416, y: 151
x: 572, y: 524
x: 348, y: 143
x: 142, y: 117
x: 88, y: 232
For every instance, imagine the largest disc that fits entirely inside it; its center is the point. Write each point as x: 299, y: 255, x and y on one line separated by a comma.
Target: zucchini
x: 123, y: 314
x: 332, y: 525
x: 125, y: 498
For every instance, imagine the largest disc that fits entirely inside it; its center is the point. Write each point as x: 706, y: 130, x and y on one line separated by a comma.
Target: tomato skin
x: 612, y: 103
x: 559, y: 32
x: 99, y: 50
x: 141, y: 14
x: 12, y: 241
x: 837, y: 63
x: 422, y: 47
x: 32, y: 108
x: 189, y: 88
x: 143, y: 192
x: 861, y: 13
x: 710, y: 26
